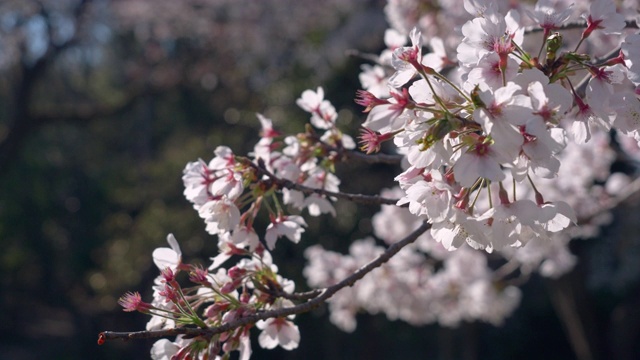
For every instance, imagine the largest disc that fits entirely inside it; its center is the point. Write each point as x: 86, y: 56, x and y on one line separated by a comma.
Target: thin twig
x: 299, y: 296
x: 373, y: 159
x: 357, y: 198
x: 324, y: 295
x: 346, y: 154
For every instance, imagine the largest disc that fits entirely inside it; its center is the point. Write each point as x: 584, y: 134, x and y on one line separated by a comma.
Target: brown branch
x: 373, y: 159
x: 357, y: 198
x: 299, y: 296
x: 324, y: 295
x: 346, y: 154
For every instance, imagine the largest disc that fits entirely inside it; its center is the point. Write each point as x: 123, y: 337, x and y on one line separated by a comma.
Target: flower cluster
x: 229, y: 192
x: 218, y: 297
x: 503, y: 134
x: 480, y: 138
x: 409, y: 288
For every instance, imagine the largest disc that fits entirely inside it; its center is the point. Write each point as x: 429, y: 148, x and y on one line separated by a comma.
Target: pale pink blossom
x: 196, y: 178
x: 540, y: 147
x: 406, y: 59
x: 393, y: 39
x: 557, y: 215
x: 627, y: 109
x: 478, y: 8
x: 267, y: 130
x: 547, y: 17
x: 631, y: 51
x: 323, y: 114
x: 374, y: 80
x: 504, y: 110
x: 168, y: 257
x: 224, y: 159
x: 220, y: 215
x: 600, y: 87
x: 229, y: 185
x: 460, y: 228
x: 488, y: 73
x: 437, y: 59
x: 549, y: 101
x: 310, y: 101
x: 479, y: 161
x: 245, y: 237
x: 386, y: 117
x: 279, y: 331
x: 393, y: 220
x: 164, y: 349
x: 432, y: 198
x: 336, y: 137
x: 508, y: 220
x: 492, y: 33
x: 587, y: 119
x: 290, y: 226
x: 603, y: 16
x: 617, y: 183
x: 226, y: 248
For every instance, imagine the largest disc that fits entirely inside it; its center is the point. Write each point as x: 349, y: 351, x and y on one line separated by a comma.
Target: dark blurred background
x: 102, y: 103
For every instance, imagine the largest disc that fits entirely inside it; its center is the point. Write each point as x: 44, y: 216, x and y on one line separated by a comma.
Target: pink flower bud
x: 236, y: 272
x: 132, y: 301
x: 229, y: 287
x: 199, y: 276
x: 168, y: 275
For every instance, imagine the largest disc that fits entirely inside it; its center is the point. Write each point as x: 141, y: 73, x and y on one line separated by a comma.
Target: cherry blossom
x: 481, y: 160
x: 289, y: 226
x: 437, y: 59
x: 627, y: 108
x: 386, y: 117
x: 406, y: 60
x: 432, y: 198
x: 490, y: 73
x: 504, y: 110
x: 547, y: 17
x: 491, y: 33
x: 219, y: 215
x: 168, y: 257
x: 631, y: 51
x: 278, y: 332
x: 164, y: 349
x: 603, y: 16
x: 323, y: 114
x: 196, y: 177
x: 374, y: 80
x: 587, y: 119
